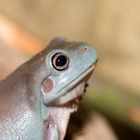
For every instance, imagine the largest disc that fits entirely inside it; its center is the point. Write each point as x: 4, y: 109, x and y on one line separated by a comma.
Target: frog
x: 38, y: 98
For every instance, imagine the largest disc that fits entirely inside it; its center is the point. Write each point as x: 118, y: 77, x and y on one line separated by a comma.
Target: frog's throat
x: 56, y: 118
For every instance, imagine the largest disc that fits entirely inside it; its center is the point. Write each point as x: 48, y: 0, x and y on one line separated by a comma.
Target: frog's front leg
x: 50, y: 129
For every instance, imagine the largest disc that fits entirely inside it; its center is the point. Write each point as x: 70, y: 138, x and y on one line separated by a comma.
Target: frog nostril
x: 82, y: 50
x: 85, y: 48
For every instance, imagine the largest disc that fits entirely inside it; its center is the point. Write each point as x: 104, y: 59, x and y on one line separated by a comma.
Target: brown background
x: 113, y: 26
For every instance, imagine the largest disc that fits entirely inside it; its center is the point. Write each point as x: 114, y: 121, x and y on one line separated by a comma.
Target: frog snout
x: 87, y: 53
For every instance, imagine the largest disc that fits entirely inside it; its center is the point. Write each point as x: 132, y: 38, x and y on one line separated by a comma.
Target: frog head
x: 68, y: 65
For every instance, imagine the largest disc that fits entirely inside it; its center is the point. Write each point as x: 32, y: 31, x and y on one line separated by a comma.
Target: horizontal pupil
x: 61, y: 60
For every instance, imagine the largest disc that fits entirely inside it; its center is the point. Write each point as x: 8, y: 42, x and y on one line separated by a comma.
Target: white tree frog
x: 37, y: 99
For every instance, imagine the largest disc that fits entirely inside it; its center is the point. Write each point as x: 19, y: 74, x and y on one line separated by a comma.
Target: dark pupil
x: 61, y: 60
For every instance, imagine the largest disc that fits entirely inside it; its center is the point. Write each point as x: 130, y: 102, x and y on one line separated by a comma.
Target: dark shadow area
x: 80, y: 118
x: 123, y: 131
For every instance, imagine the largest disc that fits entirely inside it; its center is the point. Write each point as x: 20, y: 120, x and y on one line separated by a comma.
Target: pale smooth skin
x: 32, y: 108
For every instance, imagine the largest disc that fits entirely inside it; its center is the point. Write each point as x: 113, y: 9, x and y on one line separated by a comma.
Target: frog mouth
x: 74, y: 95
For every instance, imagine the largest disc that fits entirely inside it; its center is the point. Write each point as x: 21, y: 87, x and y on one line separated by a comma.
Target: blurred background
x: 111, y: 109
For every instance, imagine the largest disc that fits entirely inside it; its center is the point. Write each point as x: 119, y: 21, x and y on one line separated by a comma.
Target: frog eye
x: 60, y: 61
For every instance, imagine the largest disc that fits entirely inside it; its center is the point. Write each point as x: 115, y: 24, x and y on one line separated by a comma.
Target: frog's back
x: 19, y: 118
x: 19, y: 105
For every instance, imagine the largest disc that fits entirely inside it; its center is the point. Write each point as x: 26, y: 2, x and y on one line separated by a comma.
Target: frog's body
x: 37, y: 99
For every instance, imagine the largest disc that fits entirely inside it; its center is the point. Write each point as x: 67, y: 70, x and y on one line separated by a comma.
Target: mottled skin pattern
x: 28, y: 109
